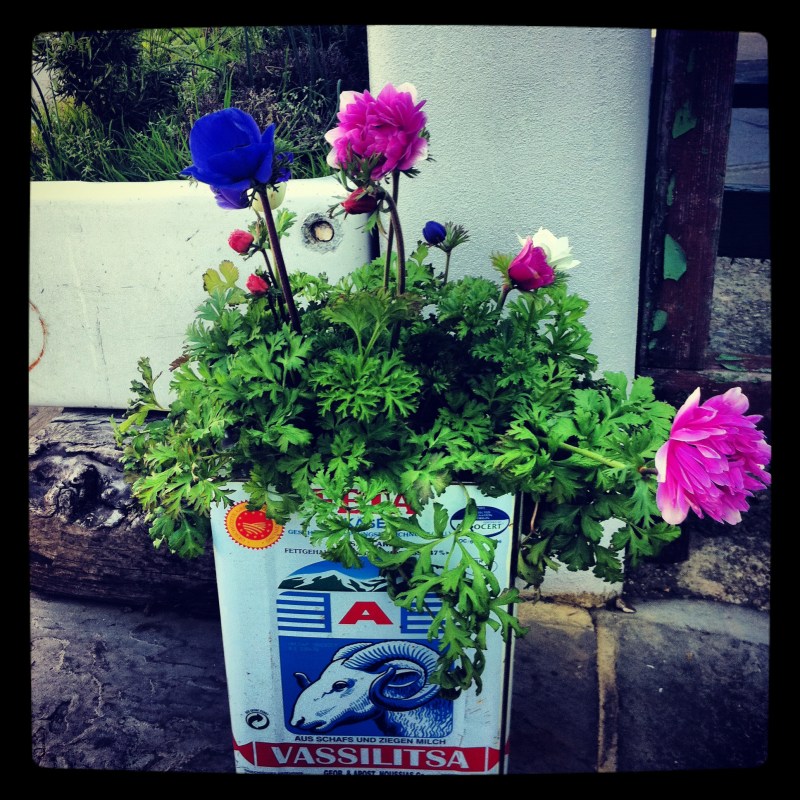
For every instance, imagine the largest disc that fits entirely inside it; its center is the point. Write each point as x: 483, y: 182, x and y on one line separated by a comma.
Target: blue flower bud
x: 434, y: 232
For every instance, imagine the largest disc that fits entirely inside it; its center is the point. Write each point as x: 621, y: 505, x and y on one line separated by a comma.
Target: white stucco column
x: 533, y: 127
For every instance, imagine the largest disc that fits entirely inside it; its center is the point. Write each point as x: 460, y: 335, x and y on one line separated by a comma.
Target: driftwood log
x: 87, y: 536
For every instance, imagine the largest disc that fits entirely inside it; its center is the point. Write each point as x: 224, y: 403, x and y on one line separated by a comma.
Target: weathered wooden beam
x: 87, y: 536
x: 675, y: 385
x: 693, y: 77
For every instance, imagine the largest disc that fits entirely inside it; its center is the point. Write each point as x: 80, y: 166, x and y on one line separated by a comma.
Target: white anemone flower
x: 275, y: 195
x: 557, y: 250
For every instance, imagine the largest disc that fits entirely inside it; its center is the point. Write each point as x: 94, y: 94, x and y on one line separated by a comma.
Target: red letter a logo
x: 365, y: 610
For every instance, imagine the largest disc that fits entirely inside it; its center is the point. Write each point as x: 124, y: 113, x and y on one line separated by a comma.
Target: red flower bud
x: 240, y: 241
x: 529, y: 270
x: 256, y: 284
x: 360, y: 203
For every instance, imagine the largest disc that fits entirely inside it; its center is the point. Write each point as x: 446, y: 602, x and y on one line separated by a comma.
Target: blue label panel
x: 304, y: 611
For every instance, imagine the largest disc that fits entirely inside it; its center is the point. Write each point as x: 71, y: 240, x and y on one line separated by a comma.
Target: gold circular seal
x: 253, y: 529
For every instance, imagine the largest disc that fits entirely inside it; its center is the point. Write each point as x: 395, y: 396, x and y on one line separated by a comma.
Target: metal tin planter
x: 326, y: 675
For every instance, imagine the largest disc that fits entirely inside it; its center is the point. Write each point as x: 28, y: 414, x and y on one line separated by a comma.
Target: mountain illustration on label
x: 325, y: 576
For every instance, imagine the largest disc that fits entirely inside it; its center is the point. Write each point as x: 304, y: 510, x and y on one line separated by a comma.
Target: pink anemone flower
x: 388, y: 127
x: 714, y: 459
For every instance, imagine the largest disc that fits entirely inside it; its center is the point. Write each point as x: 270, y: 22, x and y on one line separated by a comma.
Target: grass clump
x: 122, y: 102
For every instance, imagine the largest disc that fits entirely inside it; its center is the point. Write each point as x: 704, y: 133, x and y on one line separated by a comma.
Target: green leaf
x: 591, y: 528
x: 608, y: 566
x: 284, y: 219
x: 577, y: 555
x: 684, y: 121
x: 730, y: 362
x: 619, y: 382
x: 226, y: 278
x: 642, y: 390
x: 292, y: 435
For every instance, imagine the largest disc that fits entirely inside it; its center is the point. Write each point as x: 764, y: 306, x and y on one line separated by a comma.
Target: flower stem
x: 595, y: 456
x: 446, y: 267
x: 275, y: 246
x: 401, y: 253
x: 503, y: 294
x: 273, y: 282
x: 390, y: 236
x: 531, y: 312
x: 532, y: 526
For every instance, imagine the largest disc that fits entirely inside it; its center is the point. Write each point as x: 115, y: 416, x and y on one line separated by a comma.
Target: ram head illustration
x: 387, y: 682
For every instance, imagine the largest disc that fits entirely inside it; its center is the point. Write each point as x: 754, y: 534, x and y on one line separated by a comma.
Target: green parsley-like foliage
x: 378, y: 397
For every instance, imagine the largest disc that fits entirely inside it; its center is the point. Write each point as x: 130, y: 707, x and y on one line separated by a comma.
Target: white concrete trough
x: 116, y: 273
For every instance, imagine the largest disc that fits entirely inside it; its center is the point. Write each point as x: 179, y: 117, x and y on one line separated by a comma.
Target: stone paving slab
x: 678, y: 685
x: 113, y: 688
x: 555, y: 709
x: 692, y: 686
x: 117, y: 689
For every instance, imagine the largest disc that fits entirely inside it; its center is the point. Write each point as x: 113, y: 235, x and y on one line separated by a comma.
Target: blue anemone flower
x: 230, y: 199
x: 282, y: 171
x: 229, y: 151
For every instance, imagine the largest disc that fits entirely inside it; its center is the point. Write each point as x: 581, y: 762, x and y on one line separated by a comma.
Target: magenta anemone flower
x: 529, y: 270
x: 387, y: 128
x: 714, y: 459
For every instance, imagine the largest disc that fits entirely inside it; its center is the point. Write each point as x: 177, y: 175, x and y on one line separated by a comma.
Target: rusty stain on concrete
x: 39, y: 357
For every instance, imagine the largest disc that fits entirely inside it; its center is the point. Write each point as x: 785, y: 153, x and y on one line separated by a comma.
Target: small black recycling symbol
x: 257, y: 720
